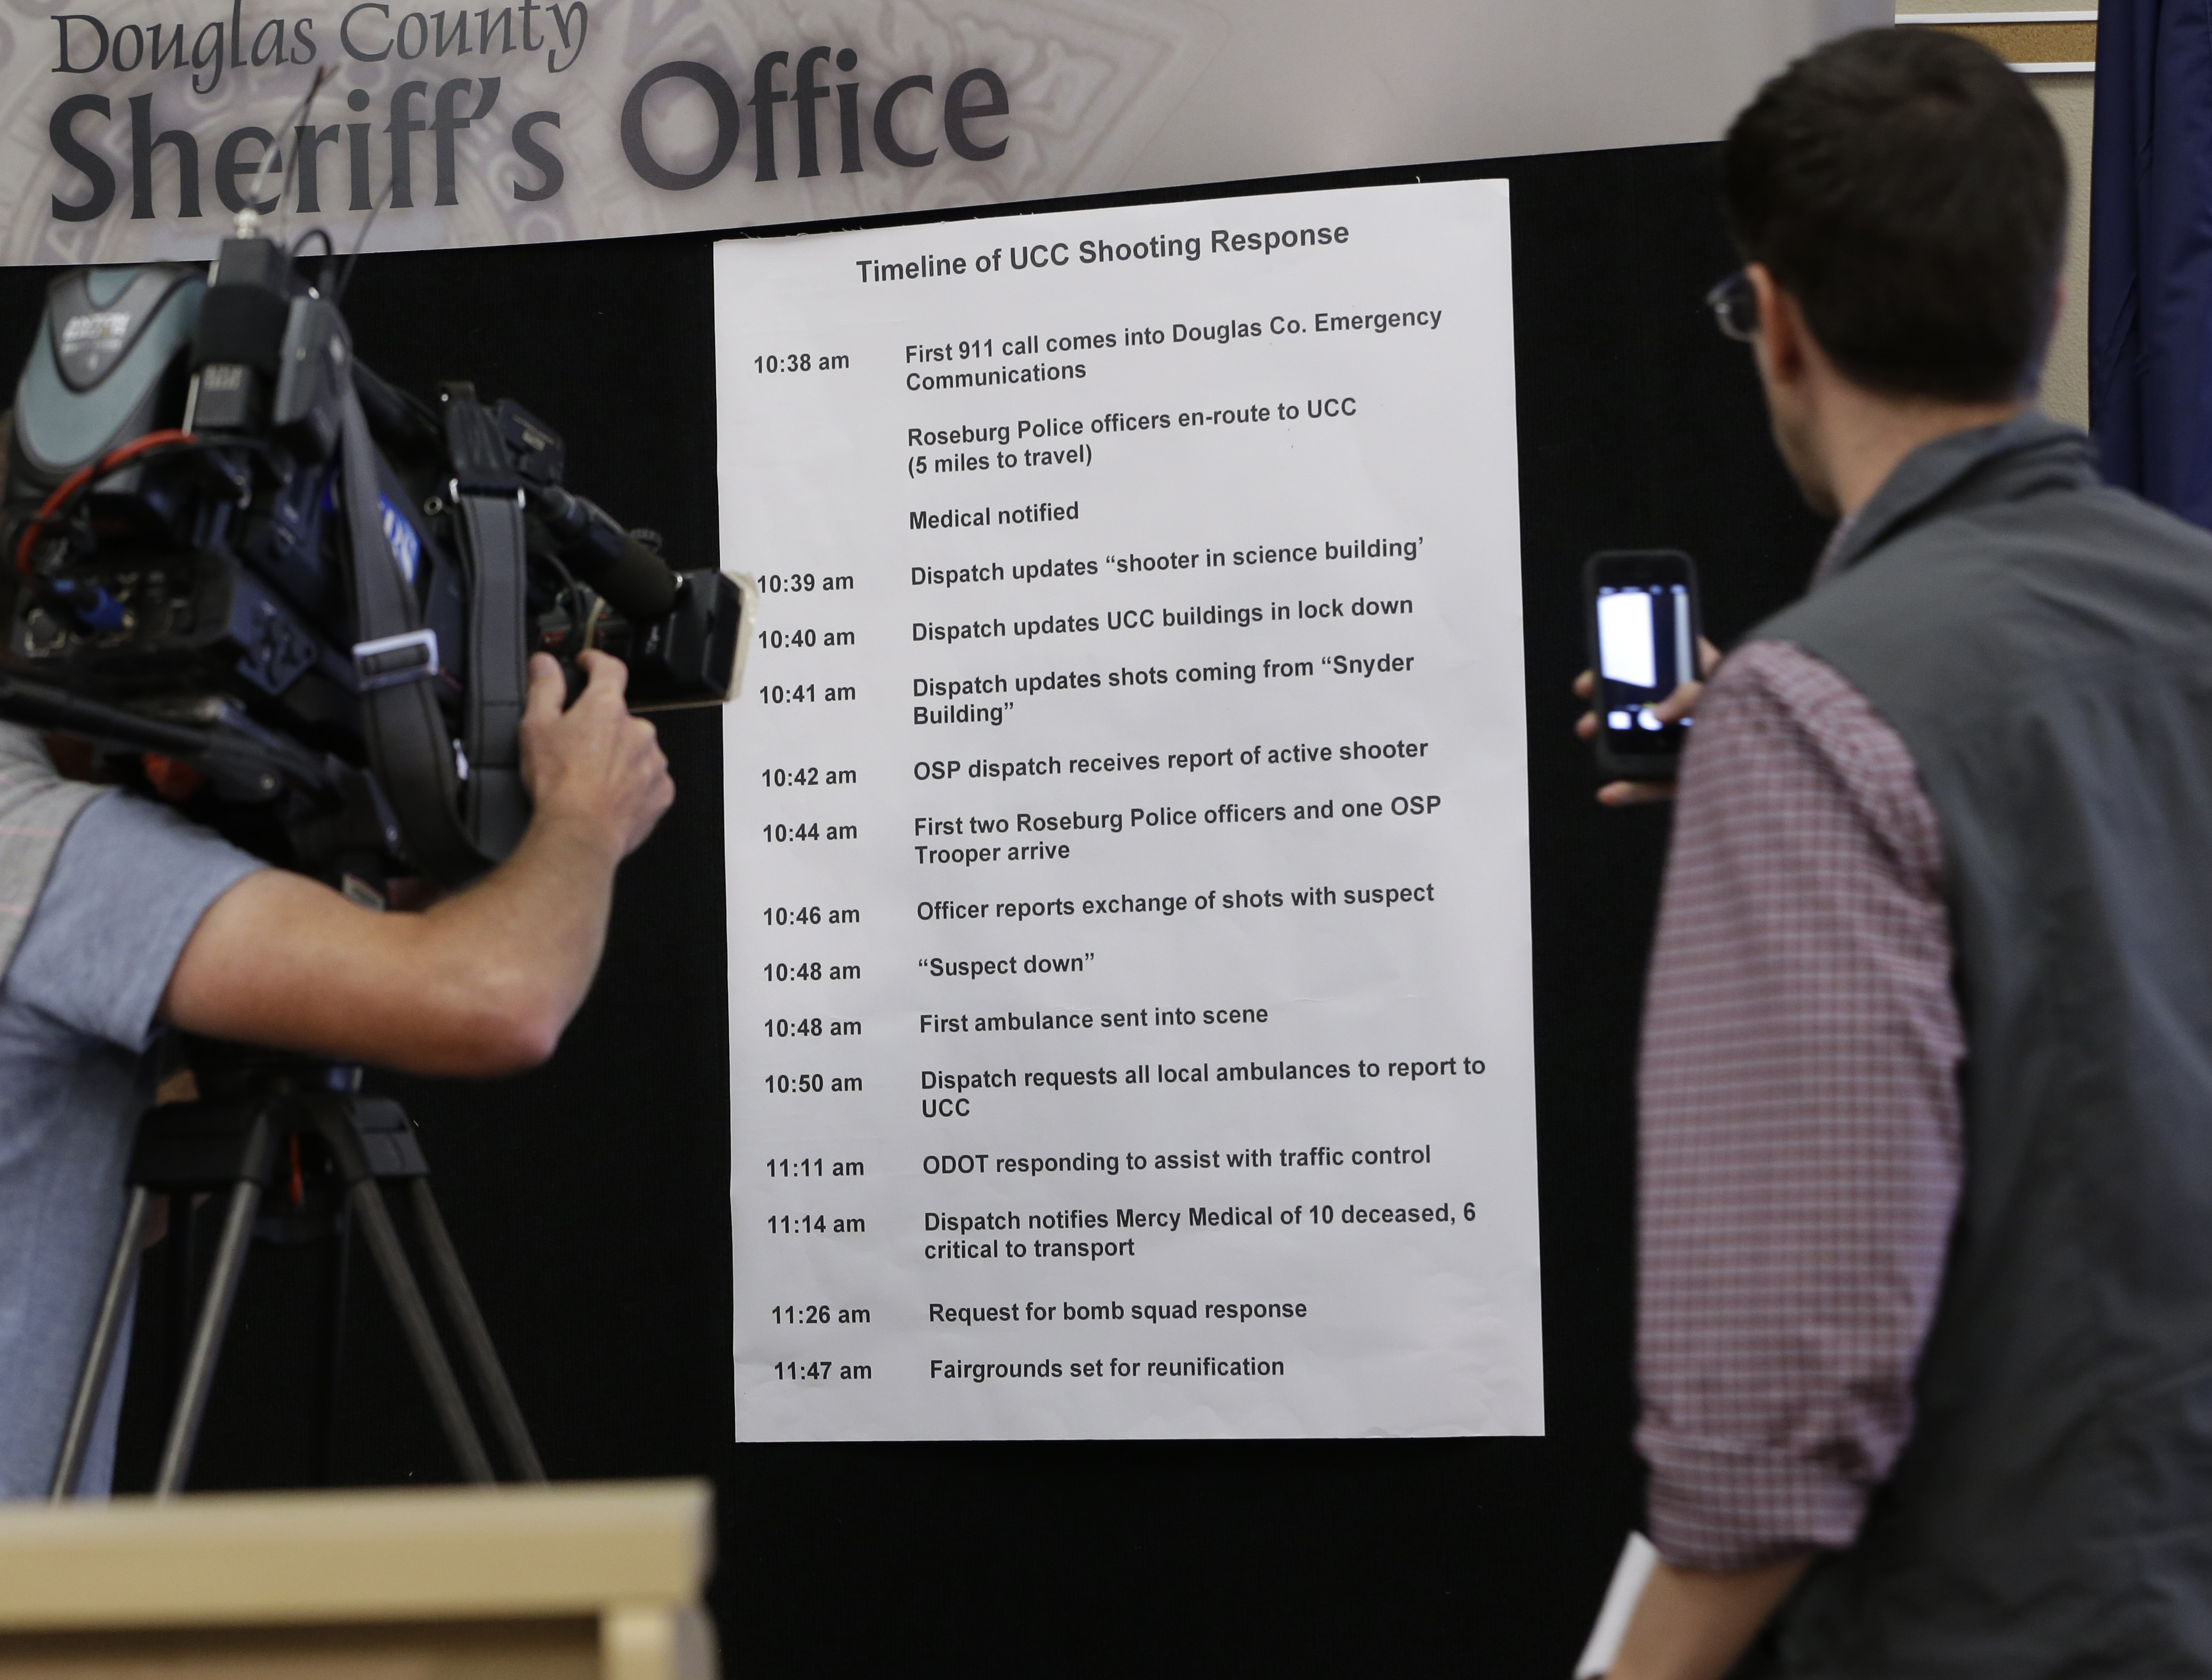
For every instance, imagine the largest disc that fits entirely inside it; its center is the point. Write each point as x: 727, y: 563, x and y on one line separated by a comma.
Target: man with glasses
x: 1925, y: 1281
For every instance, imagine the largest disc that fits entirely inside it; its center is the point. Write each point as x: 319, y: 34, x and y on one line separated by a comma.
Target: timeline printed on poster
x: 1126, y: 825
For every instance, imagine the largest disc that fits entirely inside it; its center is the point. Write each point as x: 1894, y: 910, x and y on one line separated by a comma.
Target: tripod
x: 284, y: 1129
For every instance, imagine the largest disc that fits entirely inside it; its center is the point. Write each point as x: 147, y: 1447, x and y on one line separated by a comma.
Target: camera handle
x: 240, y: 1145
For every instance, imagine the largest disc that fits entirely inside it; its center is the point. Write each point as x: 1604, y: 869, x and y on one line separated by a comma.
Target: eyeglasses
x: 1735, y: 307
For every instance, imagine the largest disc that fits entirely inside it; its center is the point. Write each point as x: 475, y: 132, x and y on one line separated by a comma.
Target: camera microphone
x: 628, y: 574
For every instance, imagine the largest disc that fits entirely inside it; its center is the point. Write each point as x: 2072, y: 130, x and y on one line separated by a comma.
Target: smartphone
x: 1641, y: 610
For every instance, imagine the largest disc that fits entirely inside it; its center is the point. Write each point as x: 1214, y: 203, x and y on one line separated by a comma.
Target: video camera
x: 232, y: 546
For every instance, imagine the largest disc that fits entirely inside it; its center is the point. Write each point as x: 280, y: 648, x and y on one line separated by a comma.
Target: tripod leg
x: 475, y: 1338
x: 421, y: 1335
x: 106, y: 1325
x: 329, y: 1351
x: 207, y: 1338
x: 184, y: 1262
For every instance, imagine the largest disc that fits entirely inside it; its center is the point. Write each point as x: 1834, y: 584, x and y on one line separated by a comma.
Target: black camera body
x: 231, y: 545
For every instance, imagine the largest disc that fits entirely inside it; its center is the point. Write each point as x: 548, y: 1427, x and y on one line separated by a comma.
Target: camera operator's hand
x: 1681, y: 703
x: 483, y: 982
x: 593, y: 766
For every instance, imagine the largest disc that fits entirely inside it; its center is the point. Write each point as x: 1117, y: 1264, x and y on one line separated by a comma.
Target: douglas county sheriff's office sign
x: 135, y: 128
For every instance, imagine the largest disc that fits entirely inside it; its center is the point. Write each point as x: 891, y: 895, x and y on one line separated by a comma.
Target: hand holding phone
x: 1648, y: 659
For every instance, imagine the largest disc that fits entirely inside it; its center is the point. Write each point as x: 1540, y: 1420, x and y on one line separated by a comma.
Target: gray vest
x: 2044, y: 646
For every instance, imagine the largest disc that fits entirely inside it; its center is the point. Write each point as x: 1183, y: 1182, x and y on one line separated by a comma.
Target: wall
x: 2071, y: 97
x: 589, y: 1200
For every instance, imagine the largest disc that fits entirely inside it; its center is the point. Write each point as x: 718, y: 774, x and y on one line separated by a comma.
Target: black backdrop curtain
x: 589, y: 1200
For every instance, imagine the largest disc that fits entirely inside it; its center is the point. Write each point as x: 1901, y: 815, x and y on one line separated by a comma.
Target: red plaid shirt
x: 1800, y: 1135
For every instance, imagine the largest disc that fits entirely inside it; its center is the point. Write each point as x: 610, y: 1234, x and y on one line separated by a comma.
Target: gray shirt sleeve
x: 130, y: 884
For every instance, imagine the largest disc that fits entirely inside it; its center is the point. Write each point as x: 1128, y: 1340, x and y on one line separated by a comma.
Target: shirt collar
x: 1833, y: 547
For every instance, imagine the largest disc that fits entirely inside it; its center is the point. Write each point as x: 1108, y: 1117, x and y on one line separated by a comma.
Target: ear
x: 1781, y: 342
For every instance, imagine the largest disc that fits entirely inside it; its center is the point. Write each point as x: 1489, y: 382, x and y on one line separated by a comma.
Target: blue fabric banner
x: 2150, y: 259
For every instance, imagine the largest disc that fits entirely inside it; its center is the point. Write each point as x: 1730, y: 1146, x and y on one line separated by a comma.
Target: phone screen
x: 1647, y: 638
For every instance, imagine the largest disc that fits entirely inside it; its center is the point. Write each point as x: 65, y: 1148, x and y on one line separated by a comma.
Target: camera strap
x: 488, y: 497
x: 408, y: 747
x: 498, y: 804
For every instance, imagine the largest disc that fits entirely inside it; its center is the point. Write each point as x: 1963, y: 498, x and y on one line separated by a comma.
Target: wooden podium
x: 597, y: 1581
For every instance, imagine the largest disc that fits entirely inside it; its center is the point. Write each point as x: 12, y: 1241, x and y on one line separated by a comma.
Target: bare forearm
x: 527, y: 938
x: 481, y: 983
x: 1692, y: 1624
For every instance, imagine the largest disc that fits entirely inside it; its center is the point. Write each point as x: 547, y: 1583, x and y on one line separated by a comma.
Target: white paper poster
x: 1127, y: 826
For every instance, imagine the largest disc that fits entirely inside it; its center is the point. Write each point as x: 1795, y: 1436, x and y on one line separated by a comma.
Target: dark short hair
x: 1909, y: 192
